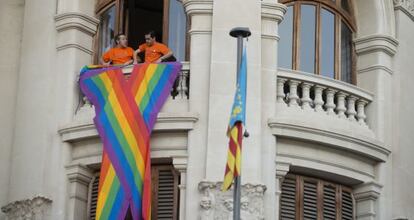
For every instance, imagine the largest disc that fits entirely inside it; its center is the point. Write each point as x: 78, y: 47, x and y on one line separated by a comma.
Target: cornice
x: 78, y: 21
x: 376, y: 42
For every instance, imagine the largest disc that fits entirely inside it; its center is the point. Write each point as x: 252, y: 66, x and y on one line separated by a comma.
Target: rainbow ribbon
x: 126, y: 111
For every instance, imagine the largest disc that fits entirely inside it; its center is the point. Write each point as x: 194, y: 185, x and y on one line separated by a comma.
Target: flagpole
x: 239, y: 33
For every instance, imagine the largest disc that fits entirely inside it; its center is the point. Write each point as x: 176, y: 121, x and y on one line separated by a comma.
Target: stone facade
x: 358, y: 135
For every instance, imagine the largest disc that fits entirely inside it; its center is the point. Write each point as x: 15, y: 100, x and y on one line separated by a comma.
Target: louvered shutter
x: 288, y: 200
x: 329, y: 203
x: 310, y: 199
x: 347, y: 206
x: 93, y: 197
x: 165, y: 192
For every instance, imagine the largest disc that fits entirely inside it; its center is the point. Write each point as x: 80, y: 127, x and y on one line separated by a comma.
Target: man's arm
x: 104, y: 57
x: 165, y: 56
x: 136, y: 52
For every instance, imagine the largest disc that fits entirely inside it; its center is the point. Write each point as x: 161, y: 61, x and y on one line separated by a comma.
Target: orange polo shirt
x: 154, y: 52
x: 118, y: 55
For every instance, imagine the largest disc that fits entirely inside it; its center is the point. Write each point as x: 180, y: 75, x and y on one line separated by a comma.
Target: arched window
x: 316, y: 37
x: 134, y: 17
x: 310, y: 198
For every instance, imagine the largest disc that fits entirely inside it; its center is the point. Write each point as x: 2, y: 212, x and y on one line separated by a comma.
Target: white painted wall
x: 403, y: 150
x: 11, y: 23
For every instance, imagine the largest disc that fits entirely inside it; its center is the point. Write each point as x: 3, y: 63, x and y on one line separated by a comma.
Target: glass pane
x: 307, y: 39
x: 107, y: 30
x: 285, y: 46
x: 177, y: 29
x: 327, y: 57
x: 346, y: 53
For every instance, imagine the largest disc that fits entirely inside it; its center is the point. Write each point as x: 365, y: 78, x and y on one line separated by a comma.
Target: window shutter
x: 329, y: 203
x: 288, y: 200
x: 347, y: 206
x: 165, y: 192
x: 310, y: 198
x: 93, y: 197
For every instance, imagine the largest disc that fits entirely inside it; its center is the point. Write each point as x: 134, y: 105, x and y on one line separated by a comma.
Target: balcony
x: 325, y: 111
x: 173, y: 118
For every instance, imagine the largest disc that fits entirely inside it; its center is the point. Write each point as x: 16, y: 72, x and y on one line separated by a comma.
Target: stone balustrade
x: 180, y: 88
x: 313, y: 93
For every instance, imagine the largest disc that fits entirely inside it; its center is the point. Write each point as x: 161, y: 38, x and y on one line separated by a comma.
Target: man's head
x: 121, y: 40
x: 150, y: 38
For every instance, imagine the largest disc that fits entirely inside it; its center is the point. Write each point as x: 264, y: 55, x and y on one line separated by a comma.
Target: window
x: 316, y: 37
x: 134, y: 17
x: 165, y: 194
x: 309, y: 198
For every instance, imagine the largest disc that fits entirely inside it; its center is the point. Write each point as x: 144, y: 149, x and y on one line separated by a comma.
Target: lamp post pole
x: 239, y: 33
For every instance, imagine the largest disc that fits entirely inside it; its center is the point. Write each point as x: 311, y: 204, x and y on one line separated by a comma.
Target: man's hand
x: 107, y: 63
x: 129, y: 62
x: 159, y: 60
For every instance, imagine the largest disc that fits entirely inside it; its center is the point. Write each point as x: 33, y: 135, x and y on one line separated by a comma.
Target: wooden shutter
x: 310, y: 199
x: 347, y: 206
x: 329, y: 202
x: 164, y: 192
x: 93, y: 197
x: 307, y: 198
x: 288, y: 200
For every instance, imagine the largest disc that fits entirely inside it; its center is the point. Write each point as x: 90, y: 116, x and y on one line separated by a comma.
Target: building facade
x: 328, y: 107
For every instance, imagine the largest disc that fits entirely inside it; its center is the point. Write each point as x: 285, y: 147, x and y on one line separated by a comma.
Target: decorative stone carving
x: 218, y: 205
x: 29, y: 209
x: 407, y: 6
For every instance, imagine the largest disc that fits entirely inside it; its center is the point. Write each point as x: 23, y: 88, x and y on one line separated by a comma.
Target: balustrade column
x: 351, y: 108
x: 340, y: 109
x: 330, y: 105
x: 293, y: 93
x: 280, y: 96
x: 318, y: 98
x: 306, y: 100
x: 361, y: 103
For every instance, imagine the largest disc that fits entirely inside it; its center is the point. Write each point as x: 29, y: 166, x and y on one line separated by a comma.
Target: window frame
x: 340, y: 14
x: 320, y: 184
x: 122, y: 21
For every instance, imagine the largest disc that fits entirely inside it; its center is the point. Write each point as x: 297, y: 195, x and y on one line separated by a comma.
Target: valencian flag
x: 126, y: 111
x: 235, y: 129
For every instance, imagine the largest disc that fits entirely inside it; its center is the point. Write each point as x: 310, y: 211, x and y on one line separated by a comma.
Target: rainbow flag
x: 235, y: 128
x: 126, y: 111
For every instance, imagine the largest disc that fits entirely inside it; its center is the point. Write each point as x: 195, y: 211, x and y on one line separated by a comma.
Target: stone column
x: 80, y: 178
x: 366, y: 196
x: 199, y: 14
x: 180, y: 164
x: 271, y: 15
x: 281, y: 170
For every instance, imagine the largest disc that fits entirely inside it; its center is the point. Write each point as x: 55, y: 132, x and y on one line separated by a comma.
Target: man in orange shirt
x: 154, y: 52
x: 121, y: 54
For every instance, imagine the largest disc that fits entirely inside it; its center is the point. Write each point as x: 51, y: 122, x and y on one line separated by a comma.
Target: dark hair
x: 117, y: 37
x: 151, y: 33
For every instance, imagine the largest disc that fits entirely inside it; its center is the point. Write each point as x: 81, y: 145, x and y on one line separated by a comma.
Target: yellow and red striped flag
x: 235, y: 130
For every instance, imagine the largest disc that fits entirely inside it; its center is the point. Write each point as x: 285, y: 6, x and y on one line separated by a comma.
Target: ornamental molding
x: 198, y: 7
x: 28, y: 209
x: 215, y: 204
x: 77, y: 21
x: 272, y: 10
x: 406, y: 6
x: 85, y: 129
x: 376, y: 43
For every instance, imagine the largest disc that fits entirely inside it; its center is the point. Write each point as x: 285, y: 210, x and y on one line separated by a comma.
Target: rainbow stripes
x: 126, y: 112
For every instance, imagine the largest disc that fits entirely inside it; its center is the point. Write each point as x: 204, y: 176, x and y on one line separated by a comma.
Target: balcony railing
x: 320, y: 94
x: 180, y: 88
